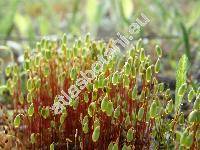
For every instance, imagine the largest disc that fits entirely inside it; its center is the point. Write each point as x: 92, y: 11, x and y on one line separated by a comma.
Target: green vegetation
x: 146, y: 95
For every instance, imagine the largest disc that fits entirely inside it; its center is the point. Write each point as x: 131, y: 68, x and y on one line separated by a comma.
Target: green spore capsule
x: 86, y: 98
x: 182, y: 89
x: 110, y: 146
x: 94, y: 94
x: 64, y: 39
x: 117, y: 112
x: 15, y: 70
x: 17, y: 121
x: 47, y: 54
x: 186, y: 139
x: 191, y: 95
x: 153, y: 110
x: 124, y: 147
x: 194, y: 116
x: 132, y: 53
x: 64, y: 49
x: 96, y: 123
x: 31, y: 110
x: 37, y: 61
x: 134, y: 72
x: 38, y: 46
x: 8, y: 70
x: 148, y: 74
x: 52, y: 124
x: 157, y: 66
x: 85, y: 128
x: 32, y: 138
x: 197, y: 103
x: 138, y: 45
x: 142, y: 55
x: 91, y: 109
x: 52, y: 146
x: 45, y: 112
x: 126, y: 81
x: 115, y: 146
x: 181, y: 118
x: 73, y: 73
x: 75, y: 51
x: 85, y: 119
x: 127, y: 69
x: 161, y: 87
x: 37, y: 83
x: 115, y: 78
x: 29, y: 84
x: 87, y: 38
x: 79, y: 44
x: 29, y: 97
x: 167, y: 94
x: 169, y: 107
x: 141, y: 69
x: 62, y: 118
x: 140, y: 114
x: 101, y: 81
x: 158, y: 51
x: 129, y: 135
x: 96, y: 134
x: 27, y: 65
x: 134, y: 117
x: 127, y: 120
x: 134, y: 93
x: 109, y: 108
x: 46, y: 71
x: 137, y: 62
x: 21, y: 99
x: 104, y: 104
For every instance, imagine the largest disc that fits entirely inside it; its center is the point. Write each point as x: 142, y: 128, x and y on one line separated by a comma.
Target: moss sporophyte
x: 97, y: 67
x: 119, y: 104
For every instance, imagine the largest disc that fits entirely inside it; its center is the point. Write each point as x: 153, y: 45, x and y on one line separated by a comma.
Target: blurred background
x: 174, y: 25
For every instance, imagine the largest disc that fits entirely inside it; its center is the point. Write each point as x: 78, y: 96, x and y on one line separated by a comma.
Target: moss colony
x: 124, y: 107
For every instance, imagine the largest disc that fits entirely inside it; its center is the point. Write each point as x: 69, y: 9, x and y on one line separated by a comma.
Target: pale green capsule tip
x: 191, y: 95
x: 182, y: 89
x: 17, y: 121
x: 115, y: 146
x: 134, y: 92
x: 32, y: 138
x: 169, y: 107
x: 140, y: 113
x: 52, y: 146
x: 117, y: 112
x: 148, y: 74
x: 159, y: 51
x: 142, y: 55
x: 110, y: 146
x: 129, y: 135
x: 194, y: 116
x: 115, y: 78
x: 91, y: 109
x: 153, y: 109
x: 109, y: 108
x: 186, y: 139
x: 85, y: 128
x: 197, y: 103
x: 157, y: 66
x: 64, y: 39
x: 31, y: 110
x: 96, y: 134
